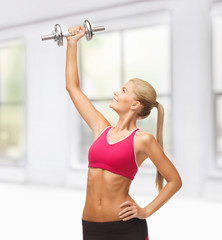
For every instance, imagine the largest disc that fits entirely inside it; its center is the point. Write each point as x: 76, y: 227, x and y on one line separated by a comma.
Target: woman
x: 110, y: 213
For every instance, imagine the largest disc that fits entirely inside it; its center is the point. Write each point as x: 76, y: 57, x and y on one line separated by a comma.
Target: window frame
x: 121, y: 24
x: 20, y: 161
x: 213, y: 170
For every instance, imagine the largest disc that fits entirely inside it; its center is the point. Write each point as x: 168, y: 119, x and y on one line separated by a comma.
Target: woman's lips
x: 115, y: 100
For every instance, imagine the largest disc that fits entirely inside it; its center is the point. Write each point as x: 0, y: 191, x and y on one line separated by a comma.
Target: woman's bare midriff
x: 106, y: 191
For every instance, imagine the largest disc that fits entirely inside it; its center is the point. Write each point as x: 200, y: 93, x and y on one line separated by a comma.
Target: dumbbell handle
x: 67, y: 34
x: 98, y: 29
x: 48, y: 37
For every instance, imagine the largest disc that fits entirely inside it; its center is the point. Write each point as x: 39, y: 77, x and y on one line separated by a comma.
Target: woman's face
x: 123, y: 100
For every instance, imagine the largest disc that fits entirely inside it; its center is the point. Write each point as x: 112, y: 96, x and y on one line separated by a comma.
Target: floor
x: 48, y: 213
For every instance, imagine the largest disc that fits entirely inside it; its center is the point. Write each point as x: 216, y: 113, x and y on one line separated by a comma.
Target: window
x: 111, y: 59
x: 217, y: 84
x: 12, y: 126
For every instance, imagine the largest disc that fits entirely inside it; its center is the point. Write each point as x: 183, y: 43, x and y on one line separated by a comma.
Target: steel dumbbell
x: 58, y: 35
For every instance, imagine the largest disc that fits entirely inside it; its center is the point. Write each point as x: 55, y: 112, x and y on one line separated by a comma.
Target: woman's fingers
x: 83, y: 31
x: 77, y: 32
x: 76, y: 29
x: 127, y: 209
x: 128, y: 213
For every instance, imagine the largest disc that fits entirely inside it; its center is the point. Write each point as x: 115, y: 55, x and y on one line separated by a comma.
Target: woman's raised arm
x: 94, y: 119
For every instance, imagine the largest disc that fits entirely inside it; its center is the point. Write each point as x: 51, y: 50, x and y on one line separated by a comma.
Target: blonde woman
x: 115, y: 155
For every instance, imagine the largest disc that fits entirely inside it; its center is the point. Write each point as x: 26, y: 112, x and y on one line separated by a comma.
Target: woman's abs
x: 106, y: 191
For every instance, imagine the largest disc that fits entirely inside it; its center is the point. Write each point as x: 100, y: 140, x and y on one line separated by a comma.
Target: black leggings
x: 132, y: 229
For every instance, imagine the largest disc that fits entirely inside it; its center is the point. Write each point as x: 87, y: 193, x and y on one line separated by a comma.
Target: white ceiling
x: 14, y: 13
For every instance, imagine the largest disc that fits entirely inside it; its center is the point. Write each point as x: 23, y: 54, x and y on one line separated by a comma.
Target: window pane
x: 147, y: 55
x: 12, y: 142
x: 217, y: 52
x: 219, y: 130
x: 100, y: 65
x: 217, y: 84
x: 12, y: 73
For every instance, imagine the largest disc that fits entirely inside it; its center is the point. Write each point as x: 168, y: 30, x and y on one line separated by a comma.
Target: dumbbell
x: 58, y: 35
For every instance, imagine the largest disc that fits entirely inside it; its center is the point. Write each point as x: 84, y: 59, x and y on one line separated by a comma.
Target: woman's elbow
x: 179, y: 183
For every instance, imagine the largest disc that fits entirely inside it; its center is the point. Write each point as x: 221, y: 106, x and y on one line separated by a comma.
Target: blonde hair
x: 146, y: 95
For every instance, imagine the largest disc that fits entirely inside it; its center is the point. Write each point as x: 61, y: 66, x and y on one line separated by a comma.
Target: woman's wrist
x: 147, y: 212
x: 72, y: 43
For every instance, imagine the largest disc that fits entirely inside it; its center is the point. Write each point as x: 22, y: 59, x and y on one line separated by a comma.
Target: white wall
x: 49, y: 116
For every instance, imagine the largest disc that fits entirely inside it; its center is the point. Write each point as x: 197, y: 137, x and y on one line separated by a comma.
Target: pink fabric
x: 117, y: 157
x: 147, y: 238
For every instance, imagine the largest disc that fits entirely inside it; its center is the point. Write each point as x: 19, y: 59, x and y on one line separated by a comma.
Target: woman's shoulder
x: 144, y: 137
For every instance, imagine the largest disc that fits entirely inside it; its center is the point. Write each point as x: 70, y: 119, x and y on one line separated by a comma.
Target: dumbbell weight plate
x: 58, y: 35
x: 89, y: 31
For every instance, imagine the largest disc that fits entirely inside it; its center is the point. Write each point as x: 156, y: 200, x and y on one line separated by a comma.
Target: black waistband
x: 111, y: 226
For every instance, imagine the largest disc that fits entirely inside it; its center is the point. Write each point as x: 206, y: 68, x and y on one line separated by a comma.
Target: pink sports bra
x: 118, y: 157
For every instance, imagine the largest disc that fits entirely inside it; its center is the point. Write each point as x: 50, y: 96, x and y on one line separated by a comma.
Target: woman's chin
x: 111, y: 106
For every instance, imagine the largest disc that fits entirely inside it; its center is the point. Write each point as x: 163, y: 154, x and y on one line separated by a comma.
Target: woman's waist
x: 103, y: 208
x: 101, y: 212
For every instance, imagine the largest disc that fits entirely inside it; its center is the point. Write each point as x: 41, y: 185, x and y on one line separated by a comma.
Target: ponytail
x: 159, y: 180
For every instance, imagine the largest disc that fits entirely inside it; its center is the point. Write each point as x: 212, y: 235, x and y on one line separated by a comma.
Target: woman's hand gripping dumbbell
x: 78, y: 32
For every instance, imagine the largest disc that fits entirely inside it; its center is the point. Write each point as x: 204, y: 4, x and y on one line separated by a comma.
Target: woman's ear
x: 136, y: 105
